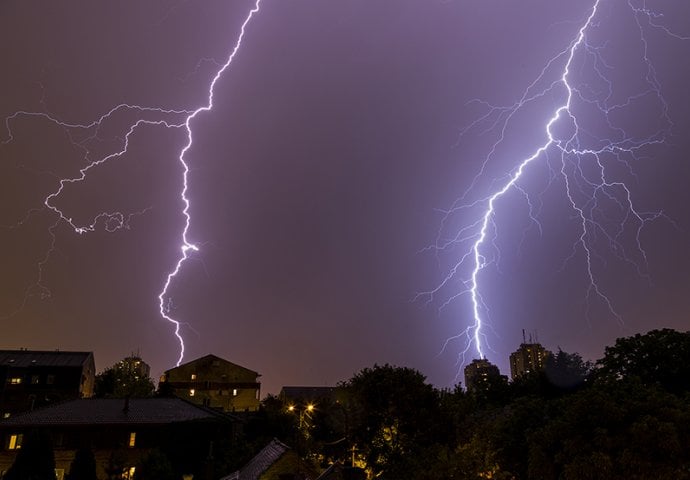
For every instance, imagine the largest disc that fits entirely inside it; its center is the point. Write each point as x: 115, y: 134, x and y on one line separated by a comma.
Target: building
x: 293, y: 395
x: 338, y: 471
x: 135, y: 366
x: 275, y: 461
x: 530, y: 357
x: 214, y: 382
x: 479, y: 375
x: 120, y: 432
x: 30, y: 379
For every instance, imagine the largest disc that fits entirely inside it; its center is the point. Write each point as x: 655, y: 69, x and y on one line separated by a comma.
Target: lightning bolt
x: 187, y: 246
x: 584, y: 162
x: 81, y: 135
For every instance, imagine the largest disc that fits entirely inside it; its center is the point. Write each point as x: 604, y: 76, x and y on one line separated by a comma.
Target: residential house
x: 120, y: 432
x: 276, y: 461
x: 30, y: 378
x: 214, y: 382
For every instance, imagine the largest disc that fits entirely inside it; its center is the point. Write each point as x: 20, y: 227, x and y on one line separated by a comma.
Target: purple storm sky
x: 321, y: 175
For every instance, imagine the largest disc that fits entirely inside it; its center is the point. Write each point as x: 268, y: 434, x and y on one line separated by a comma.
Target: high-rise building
x: 479, y: 375
x: 530, y: 357
x: 135, y: 366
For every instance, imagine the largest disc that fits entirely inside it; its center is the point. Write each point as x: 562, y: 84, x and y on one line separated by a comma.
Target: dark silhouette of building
x: 135, y: 366
x: 30, y: 379
x: 214, y: 382
x: 121, y: 431
x: 308, y: 395
x: 479, y: 374
x: 530, y: 357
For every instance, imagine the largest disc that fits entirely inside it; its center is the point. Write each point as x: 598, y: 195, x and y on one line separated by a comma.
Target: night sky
x: 340, y: 135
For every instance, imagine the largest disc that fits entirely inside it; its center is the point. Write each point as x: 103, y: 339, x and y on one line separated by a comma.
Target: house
x: 30, y: 378
x: 120, y: 432
x: 338, y: 471
x: 276, y: 461
x: 214, y: 382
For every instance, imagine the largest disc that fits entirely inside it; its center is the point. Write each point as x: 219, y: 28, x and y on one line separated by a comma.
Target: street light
x: 305, y: 411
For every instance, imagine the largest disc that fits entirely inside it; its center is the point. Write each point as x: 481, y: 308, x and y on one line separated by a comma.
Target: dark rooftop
x: 261, y: 462
x: 307, y: 393
x: 42, y: 358
x: 111, y: 411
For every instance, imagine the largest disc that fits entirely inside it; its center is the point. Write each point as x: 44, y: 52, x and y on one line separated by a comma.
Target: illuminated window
x: 132, y: 439
x: 60, y: 473
x: 35, y: 379
x: 128, y: 474
x: 15, y: 442
x: 193, y: 376
x: 191, y: 392
x: 235, y: 392
x: 16, y: 380
x: 6, y: 415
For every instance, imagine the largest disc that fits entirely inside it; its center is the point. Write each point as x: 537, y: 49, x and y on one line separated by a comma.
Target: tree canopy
x: 627, y: 417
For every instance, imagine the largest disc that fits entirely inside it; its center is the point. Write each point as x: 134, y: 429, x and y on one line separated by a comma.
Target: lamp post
x: 304, y: 412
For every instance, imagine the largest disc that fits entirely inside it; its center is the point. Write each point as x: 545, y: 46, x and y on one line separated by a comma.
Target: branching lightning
x: 186, y: 246
x: 584, y: 162
x: 81, y: 134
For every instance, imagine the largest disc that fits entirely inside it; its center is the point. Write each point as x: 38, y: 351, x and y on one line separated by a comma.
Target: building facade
x: 120, y: 432
x: 479, y: 374
x: 529, y: 358
x: 214, y: 382
x: 30, y: 379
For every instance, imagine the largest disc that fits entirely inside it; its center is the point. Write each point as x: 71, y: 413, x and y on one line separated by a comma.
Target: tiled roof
x: 263, y: 460
x: 208, y: 359
x: 32, y: 358
x: 111, y: 411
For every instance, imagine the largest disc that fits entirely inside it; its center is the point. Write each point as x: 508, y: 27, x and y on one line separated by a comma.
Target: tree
x: 567, y: 371
x: 83, y: 467
x: 393, y: 415
x: 660, y: 357
x: 115, y: 466
x: 618, y: 430
x: 124, y: 379
x: 35, y: 460
x: 155, y: 466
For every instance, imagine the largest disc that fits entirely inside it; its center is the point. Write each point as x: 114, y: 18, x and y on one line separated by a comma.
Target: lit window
x: 6, y: 415
x: 132, y: 439
x: 35, y: 379
x: 16, y: 380
x: 191, y: 392
x: 128, y: 474
x: 59, y: 473
x: 193, y: 376
x: 15, y: 442
x: 235, y: 392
